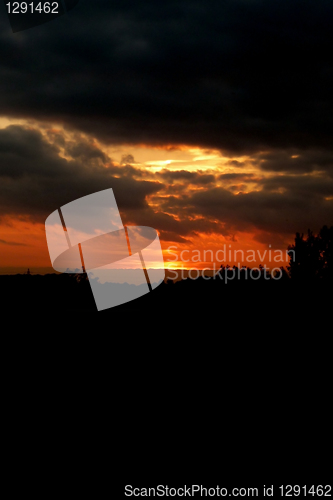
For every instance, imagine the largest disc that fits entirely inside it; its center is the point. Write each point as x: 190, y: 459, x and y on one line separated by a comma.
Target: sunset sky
x: 212, y: 121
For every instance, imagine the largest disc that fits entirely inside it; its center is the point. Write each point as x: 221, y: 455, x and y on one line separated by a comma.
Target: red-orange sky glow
x: 195, y: 198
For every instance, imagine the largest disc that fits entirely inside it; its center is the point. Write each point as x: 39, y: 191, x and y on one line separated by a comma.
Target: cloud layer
x: 41, y: 171
x: 238, y: 75
x: 36, y: 179
x: 251, y: 79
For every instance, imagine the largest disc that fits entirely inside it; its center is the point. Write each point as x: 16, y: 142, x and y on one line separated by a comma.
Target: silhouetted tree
x: 311, y: 258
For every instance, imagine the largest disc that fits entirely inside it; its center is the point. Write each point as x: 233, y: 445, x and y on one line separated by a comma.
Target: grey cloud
x: 235, y: 75
x: 269, y: 211
x: 275, y: 240
x: 308, y: 185
x: 248, y: 78
x: 295, y: 160
x: 125, y: 159
x: 171, y: 175
x: 235, y: 163
x: 21, y: 151
x: 173, y: 222
x: 85, y: 151
x: 238, y: 177
x: 195, y: 178
x: 35, y: 180
x: 12, y: 243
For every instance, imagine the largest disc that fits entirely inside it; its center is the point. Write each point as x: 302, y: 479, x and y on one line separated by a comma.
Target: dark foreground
x: 208, y: 298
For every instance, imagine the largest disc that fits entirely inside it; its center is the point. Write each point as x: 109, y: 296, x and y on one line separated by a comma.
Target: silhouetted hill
x: 221, y: 295
x: 306, y: 288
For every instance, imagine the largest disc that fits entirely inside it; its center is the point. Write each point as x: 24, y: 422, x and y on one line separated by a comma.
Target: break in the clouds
x: 36, y: 179
x: 242, y: 76
x: 42, y: 170
x: 250, y: 80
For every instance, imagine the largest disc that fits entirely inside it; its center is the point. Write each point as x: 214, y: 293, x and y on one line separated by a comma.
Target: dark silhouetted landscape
x: 307, y: 281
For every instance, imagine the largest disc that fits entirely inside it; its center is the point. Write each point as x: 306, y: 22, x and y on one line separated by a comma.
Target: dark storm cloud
x: 311, y: 186
x: 248, y: 77
x: 238, y: 177
x: 12, y: 243
x: 267, y: 210
x: 235, y: 163
x: 182, y: 175
x: 35, y: 179
x: 195, y: 178
x: 126, y: 159
x: 281, y: 205
x: 295, y: 161
x: 276, y: 240
x: 86, y: 151
x: 176, y: 225
x: 238, y: 75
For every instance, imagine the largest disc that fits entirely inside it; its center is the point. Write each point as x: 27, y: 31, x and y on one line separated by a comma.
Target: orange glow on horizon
x: 23, y: 244
x: 23, y: 241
